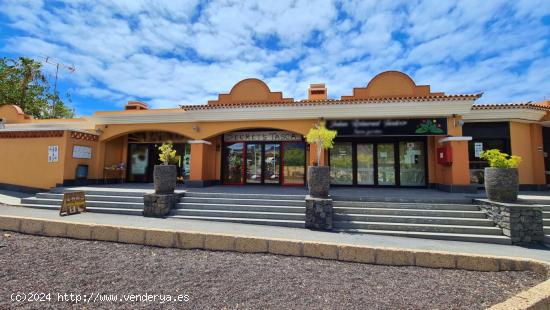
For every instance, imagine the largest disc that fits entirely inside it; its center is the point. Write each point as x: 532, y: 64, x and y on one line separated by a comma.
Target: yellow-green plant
x: 322, y: 137
x: 167, y: 153
x: 498, y: 159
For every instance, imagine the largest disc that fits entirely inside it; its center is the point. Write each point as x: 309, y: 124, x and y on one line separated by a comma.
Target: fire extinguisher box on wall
x: 445, y: 156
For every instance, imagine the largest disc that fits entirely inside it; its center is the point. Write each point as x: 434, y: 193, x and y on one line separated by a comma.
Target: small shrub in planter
x: 501, y: 177
x: 165, y: 175
x: 318, y: 177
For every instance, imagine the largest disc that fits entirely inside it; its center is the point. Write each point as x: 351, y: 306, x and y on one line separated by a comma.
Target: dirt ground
x: 47, y: 270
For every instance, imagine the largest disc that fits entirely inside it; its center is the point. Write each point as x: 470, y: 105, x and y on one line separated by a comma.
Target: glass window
x: 412, y: 164
x: 272, y: 162
x: 365, y: 164
x: 386, y: 164
x: 253, y: 163
x: 233, y: 168
x: 341, y: 169
x: 294, y: 157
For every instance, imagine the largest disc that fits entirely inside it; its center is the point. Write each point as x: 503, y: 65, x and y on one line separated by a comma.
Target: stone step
x: 240, y: 214
x: 101, y: 204
x: 411, y: 212
x: 286, y: 223
x: 404, y: 205
x: 546, y: 215
x: 124, y: 211
x: 245, y: 196
x: 547, y: 230
x: 245, y: 201
x: 103, y: 192
x: 413, y: 219
x: 452, y: 229
x: 252, y: 208
x: 438, y: 236
x: 408, y: 199
x: 95, y: 197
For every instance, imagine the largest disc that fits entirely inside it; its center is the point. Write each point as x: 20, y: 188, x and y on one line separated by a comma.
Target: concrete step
x: 405, y: 205
x: 439, y: 236
x: 547, y: 230
x: 102, y: 192
x: 413, y: 219
x: 408, y: 199
x: 244, y: 196
x: 124, y: 211
x: 546, y: 215
x: 94, y: 197
x: 240, y: 214
x: 411, y: 212
x: 244, y: 201
x: 286, y: 223
x: 101, y: 204
x: 451, y: 229
x: 231, y: 207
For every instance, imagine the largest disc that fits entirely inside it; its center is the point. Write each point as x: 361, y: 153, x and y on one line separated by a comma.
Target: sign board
x: 245, y: 136
x: 82, y: 152
x: 478, y: 148
x: 53, y: 153
x: 389, y: 127
x: 73, y: 203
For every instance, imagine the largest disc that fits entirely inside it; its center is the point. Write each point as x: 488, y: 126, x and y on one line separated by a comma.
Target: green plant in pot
x: 501, y: 177
x: 318, y: 177
x: 165, y: 175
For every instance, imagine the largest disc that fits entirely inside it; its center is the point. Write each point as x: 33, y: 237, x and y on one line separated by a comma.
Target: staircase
x: 461, y: 222
x: 260, y: 209
x: 546, y: 222
x: 99, y: 201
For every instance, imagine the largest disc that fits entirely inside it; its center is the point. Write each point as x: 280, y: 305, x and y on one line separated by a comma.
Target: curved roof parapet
x: 11, y: 113
x: 391, y: 84
x: 253, y: 91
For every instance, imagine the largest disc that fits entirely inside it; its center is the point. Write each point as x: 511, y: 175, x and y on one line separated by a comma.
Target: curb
x: 537, y: 297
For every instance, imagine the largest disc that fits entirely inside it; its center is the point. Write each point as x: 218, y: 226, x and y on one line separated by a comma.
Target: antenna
x: 57, y: 64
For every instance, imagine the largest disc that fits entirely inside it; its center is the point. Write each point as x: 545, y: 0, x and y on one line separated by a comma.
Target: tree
x: 322, y: 137
x: 23, y: 83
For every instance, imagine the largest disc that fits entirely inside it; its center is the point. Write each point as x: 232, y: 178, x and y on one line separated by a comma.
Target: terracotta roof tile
x: 512, y: 105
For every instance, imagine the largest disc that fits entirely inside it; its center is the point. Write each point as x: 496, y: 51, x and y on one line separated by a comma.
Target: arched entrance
x: 143, y: 155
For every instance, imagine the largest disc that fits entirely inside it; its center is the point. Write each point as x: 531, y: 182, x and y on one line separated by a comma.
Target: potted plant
x: 501, y: 177
x: 318, y: 177
x: 165, y: 175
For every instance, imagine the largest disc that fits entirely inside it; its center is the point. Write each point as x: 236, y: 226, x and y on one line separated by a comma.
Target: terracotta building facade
x: 390, y: 133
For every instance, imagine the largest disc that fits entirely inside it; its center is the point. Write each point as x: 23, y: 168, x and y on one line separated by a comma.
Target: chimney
x: 136, y: 105
x: 317, y: 92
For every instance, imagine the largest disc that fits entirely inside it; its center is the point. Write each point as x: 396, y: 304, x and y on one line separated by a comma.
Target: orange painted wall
x: 24, y: 162
x: 71, y: 163
x: 526, y: 139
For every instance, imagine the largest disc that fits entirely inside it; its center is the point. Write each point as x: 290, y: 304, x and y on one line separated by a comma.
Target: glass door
x: 386, y: 163
x: 365, y: 164
x: 138, y: 164
x: 272, y: 163
x: 341, y: 167
x: 412, y: 164
x: 253, y: 163
x: 233, y: 168
x: 294, y: 159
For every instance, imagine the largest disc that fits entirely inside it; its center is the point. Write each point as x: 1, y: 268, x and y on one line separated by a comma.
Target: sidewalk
x: 285, y: 233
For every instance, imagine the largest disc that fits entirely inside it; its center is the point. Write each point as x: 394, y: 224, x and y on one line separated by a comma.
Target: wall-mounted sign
x: 82, y: 152
x: 73, y: 203
x: 478, y: 148
x: 53, y: 153
x: 261, y: 136
x: 389, y: 127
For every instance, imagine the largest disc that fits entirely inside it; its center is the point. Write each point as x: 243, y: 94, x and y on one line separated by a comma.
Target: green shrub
x: 322, y: 137
x: 167, y: 154
x: 498, y: 159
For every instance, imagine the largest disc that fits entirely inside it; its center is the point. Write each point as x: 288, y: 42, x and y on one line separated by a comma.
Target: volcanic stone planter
x: 501, y: 184
x: 319, y: 213
x: 165, y: 177
x: 318, y: 181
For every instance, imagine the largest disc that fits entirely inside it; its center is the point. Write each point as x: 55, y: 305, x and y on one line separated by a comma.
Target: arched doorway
x: 143, y: 155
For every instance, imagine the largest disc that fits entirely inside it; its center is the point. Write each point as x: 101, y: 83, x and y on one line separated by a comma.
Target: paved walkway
x: 542, y: 253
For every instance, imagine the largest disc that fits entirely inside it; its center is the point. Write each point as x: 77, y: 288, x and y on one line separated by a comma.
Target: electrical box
x: 445, y: 156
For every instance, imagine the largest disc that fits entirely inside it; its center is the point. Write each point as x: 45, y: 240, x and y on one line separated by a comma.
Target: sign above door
x: 389, y: 127
x: 246, y: 136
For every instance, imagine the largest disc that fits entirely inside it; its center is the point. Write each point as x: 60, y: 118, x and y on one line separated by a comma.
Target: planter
x: 165, y: 177
x: 318, y: 181
x: 501, y: 184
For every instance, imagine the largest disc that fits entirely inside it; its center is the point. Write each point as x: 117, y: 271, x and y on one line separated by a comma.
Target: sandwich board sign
x: 73, y: 203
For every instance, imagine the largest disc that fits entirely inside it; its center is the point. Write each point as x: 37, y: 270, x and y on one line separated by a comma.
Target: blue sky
x: 168, y: 53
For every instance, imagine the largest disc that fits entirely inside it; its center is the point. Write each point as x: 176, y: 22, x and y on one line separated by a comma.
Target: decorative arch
x: 12, y: 113
x: 250, y: 90
x: 391, y: 84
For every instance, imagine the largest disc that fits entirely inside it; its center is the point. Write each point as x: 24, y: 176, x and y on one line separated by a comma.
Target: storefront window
x: 234, y: 161
x: 365, y: 164
x: 341, y: 168
x: 412, y: 164
x: 272, y: 162
x: 294, y: 155
x: 253, y: 163
x: 386, y: 164
x: 139, y: 162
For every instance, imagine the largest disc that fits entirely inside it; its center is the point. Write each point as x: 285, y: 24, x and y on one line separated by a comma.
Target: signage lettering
x: 73, y: 203
x: 261, y: 136
x: 389, y: 127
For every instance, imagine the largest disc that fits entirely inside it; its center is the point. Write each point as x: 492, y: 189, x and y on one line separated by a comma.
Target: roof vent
x: 136, y: 105
x: 317, y: 92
